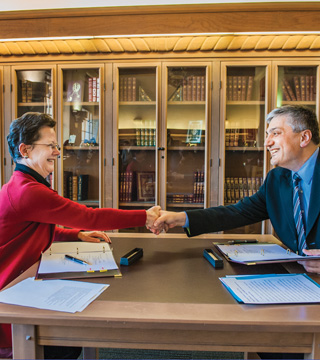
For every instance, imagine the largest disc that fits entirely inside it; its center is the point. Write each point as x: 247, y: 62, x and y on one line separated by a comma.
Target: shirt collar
x: 307, y: 169
x: 27, y: 170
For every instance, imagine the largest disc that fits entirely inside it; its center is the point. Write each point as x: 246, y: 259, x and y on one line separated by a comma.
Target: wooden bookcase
x: 184, y: 151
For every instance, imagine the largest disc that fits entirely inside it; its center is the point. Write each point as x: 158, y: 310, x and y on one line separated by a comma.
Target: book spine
x: 134, y: 89
x: 24, y: 91
x: 90, y: 89
x: 98, y: 89
x: 74, y: 188
x: 125, y: 89
x: 307, y: 88
x: 303, y: 87
x: 129, y: 89
x: 312, y: 88
x: 243, y: 88
x: 29, y: 91
x: 121, y: 97
x: 229, y: 88
x: 297, y: 87
x: 286, y: 96
x: 83, y: 183
x: 203, y: 88
x: 289, y: 89
x: 94, y: 89
x: 250, y: 88
x: 198, y: 97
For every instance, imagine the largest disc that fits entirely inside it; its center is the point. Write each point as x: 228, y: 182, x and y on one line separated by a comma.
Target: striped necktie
x: 297, y: 214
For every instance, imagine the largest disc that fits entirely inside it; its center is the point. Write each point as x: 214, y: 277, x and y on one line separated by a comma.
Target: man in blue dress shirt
x: 292, y: 139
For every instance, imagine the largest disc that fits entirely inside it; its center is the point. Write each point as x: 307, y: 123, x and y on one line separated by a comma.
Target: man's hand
x: 168, y: 220
x: 93, y: 236
x: 152, y: 215
x: 312, y: 266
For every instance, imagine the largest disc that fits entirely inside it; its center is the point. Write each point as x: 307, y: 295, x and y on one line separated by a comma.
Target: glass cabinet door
x: 137, y: 136
x: 297, y: 85
x: 34, y: 91
x: 244, y: 128
x: 33, y: 88
x: 81, y: 135
x: 186, y: 129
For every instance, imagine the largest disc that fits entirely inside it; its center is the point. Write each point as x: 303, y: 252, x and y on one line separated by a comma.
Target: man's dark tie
x: 297, y: 214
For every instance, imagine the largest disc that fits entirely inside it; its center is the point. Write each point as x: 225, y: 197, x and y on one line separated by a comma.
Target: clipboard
x: 98, y: 261
x: 260, y: 253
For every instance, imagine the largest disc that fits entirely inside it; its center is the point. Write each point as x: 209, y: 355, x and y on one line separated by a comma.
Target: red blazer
x: 29, y: 212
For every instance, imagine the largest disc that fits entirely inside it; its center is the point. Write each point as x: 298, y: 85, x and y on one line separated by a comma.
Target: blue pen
x: 80, y: 261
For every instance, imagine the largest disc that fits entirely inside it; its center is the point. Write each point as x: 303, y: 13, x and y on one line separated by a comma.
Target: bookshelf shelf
x: 313, y: 103
x: 134, y: 147
x: 94, y: 203
x: 40, y: 103
x: 253, y: 102
x: 186, y: 205
x: 180, y: 103
x: 85, y: 148
x: 244, y: 148
x: 137, y: 103
x: 136, y: 204
x: 84, y: 103
x: 187, y: 148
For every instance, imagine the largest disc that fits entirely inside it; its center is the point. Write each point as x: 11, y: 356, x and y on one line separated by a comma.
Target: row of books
x: 146, y: 137
x: 178, y: 198
x: 126, y: 186
x: 241, y: 137
x: 75, y: 186
x: 198, y: 187
x: 32, y: 91
x: 239, y: 88
x: 299, y: 88
x: 236, y: 188
x: 193, y: 88
x: 93, y: 89
x: 195, y: 198
x: 130, y: 91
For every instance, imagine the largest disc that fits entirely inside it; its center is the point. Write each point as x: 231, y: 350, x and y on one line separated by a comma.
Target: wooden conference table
x: 171, y: 299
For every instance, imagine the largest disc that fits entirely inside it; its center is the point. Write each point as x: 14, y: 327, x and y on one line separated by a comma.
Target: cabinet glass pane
x: 244, y: 136
x: 34, y: 91
x: 297, y: 85
x: 186, y: 129
x: 81, y: 136
x: 137, y: 115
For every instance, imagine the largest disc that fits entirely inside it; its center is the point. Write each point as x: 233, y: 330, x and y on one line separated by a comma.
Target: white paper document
x: 59, y: 295
x: 98, y: 258
x: 255, y: 253
x: 273, y: 288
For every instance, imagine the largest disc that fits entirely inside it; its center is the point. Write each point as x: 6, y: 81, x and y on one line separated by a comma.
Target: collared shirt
x: 27, y: 170
x: 306, y: 173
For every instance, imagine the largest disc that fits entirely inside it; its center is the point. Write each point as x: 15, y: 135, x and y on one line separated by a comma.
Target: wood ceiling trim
x: 175, y: 44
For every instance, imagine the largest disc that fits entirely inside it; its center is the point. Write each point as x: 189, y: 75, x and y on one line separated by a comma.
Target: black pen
x: 244, y: 241
x: 80, y: 261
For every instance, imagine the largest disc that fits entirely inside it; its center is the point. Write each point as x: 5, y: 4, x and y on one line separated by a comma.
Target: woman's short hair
x: 299, y: 118
x: 25, y: 130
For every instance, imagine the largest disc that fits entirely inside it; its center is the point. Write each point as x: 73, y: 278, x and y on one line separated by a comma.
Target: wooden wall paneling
x: 168, y: 19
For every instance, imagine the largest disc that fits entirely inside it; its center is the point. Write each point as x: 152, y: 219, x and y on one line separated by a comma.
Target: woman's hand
x: 93, y: 236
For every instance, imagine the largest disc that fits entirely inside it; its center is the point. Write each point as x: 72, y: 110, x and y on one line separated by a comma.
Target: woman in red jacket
x: 30, y: 210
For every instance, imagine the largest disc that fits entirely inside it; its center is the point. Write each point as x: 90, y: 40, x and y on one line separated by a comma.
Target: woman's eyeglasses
x: 53, y: 146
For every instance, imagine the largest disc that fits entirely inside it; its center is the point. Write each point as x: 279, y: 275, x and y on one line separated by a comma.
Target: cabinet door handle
x: 161, y: 148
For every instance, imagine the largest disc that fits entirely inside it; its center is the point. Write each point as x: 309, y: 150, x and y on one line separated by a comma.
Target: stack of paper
x: 59, y: 295
x: 260, y: 253
x: 273, y: 288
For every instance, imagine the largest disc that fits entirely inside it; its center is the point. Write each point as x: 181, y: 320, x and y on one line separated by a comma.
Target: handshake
x: 159, y: 220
